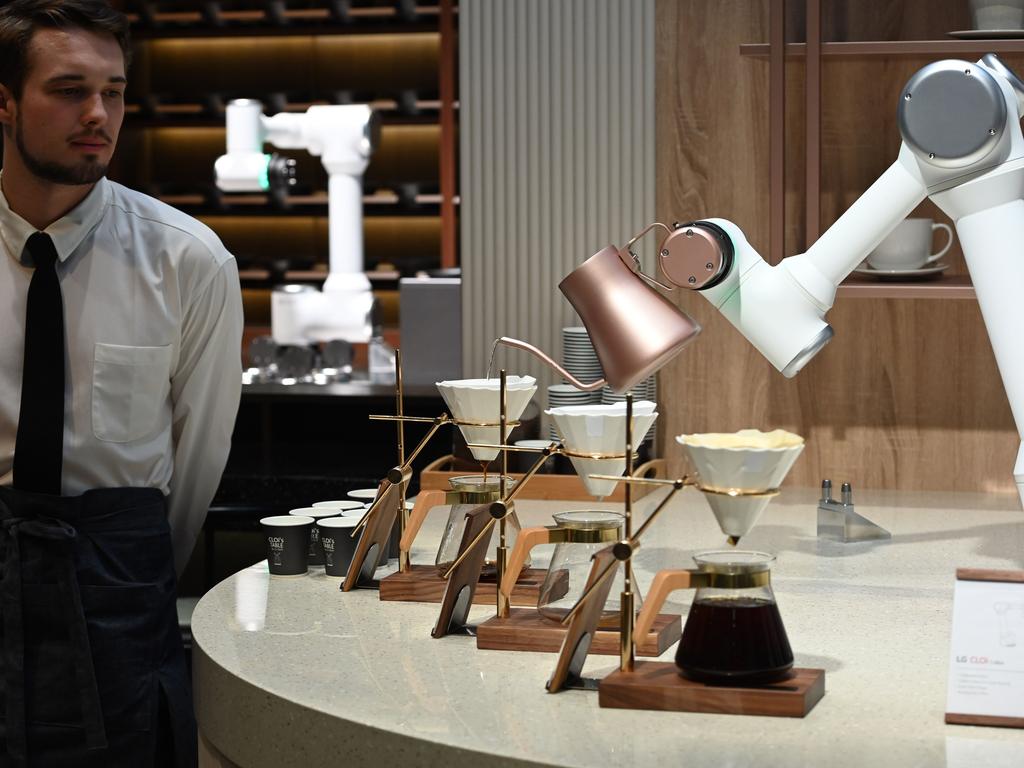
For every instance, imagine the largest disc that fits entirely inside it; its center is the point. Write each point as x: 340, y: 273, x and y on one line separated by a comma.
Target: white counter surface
x: 290, y: 671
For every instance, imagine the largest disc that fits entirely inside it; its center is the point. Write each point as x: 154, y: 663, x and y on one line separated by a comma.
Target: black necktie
x: 40, y: 443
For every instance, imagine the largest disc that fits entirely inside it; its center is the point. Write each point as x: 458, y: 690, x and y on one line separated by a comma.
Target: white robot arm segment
x: 963, y: 148
x: 343, y: 137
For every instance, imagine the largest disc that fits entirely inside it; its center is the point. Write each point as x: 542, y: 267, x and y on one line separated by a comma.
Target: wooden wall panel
x: 907, y: 395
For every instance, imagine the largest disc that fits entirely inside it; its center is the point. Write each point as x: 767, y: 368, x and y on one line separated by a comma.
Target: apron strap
x: 63, y: 534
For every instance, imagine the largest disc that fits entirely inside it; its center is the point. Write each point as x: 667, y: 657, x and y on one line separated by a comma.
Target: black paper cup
x: 287, y: 543
x: 316, y: 552
x: 338, y: 544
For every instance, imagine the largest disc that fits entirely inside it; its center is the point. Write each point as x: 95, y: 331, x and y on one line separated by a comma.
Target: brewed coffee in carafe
x: 734, y: 634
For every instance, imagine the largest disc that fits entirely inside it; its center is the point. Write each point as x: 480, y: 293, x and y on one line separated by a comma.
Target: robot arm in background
x: 343, y: 137
x: 963, y: 148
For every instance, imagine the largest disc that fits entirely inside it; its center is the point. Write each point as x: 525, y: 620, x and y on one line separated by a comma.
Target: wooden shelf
x: 199, y: 115
x: 312, y: 275
x: 890, y: 48
x: 945, y: 287
x: 317, y: 199
x: 310, y: 21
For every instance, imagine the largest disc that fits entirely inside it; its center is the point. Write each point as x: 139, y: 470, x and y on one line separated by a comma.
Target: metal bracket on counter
x: 838, y: 520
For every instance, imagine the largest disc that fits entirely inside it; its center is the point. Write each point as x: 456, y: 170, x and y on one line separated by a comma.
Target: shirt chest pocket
x: 130, y: 387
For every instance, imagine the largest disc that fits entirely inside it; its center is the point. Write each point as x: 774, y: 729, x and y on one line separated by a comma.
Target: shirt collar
x: 67, y: 232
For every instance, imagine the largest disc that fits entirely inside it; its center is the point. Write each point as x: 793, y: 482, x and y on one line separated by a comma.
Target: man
x: 120, y: 334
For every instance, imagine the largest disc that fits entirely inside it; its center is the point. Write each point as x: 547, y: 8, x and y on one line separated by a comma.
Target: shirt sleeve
x: 205, y: 390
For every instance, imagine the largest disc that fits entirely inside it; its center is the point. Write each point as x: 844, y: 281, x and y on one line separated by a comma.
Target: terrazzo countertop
x: 290, y: 671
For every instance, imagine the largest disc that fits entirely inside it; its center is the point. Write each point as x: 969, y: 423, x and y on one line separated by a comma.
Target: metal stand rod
x: 627, y: 614
x: 404, y: 563
x: 502, y: 608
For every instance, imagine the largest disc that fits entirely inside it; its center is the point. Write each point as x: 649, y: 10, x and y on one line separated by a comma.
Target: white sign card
x: 986, y: 664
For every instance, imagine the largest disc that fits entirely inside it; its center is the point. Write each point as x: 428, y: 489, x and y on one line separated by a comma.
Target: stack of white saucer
x: 579, y: 357
x: 645, y: 390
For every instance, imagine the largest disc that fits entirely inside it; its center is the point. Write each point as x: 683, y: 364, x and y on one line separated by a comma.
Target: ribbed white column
x: 557, y: 159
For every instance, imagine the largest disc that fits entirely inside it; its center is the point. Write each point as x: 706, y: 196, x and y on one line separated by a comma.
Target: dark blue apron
x: 92, y: 670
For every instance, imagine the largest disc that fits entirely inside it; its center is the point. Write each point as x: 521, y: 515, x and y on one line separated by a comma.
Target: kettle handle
x: 665, y: 583
x: 632, y: 261
x: 425, y: 501
x: 527, y: 539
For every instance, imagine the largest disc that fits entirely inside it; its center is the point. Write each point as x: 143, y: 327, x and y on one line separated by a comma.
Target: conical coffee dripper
x: 474, y: 405
x: 592, y: 431
x: 740, y: 472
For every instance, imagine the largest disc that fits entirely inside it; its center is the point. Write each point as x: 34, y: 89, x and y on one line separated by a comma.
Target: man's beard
x: 88, y: 171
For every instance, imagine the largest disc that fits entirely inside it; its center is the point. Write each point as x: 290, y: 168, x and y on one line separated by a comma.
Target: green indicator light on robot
x: 264, y: 177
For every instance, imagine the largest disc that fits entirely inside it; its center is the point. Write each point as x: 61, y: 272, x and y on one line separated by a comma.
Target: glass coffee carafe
x: 734, y: 633
x: 577, y: 534
x: 471, y: 491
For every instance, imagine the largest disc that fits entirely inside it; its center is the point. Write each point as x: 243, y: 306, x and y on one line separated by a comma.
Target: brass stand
x: 374, y: 529
x: 425, y: 584
x: 521, y: 630
x: 501, y: 561
x: 526, y: 629
x: 654, y: 685
x: 418, y: 583
x: 464, y: 574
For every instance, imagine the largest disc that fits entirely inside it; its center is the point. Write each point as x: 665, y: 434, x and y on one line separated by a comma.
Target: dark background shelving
x: 192, y: 58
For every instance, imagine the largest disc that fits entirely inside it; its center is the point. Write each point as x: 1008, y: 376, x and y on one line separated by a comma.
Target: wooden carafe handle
x: 425, y: 501
x: 527, y: 539
x: 664, y: 584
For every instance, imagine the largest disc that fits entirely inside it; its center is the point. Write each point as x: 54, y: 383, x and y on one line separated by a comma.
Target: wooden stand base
x: 423, y: 584
x: 1000, y: 722
x: 526, y: 630
x: 658, y: 685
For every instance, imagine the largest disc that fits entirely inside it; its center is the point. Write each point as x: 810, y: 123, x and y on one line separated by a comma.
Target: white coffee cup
x: 908, y: 246
x: 997, y: 14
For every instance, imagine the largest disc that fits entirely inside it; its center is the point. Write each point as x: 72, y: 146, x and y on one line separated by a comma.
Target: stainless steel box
x: 431, y: 329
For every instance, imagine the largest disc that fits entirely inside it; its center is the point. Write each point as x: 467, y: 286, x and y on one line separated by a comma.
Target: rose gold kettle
x: 634, y: 329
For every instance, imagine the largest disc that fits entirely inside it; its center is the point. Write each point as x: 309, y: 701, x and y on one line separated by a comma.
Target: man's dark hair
x: 19, y: 19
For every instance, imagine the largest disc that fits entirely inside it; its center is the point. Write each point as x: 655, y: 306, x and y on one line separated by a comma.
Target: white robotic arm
x: 344, y: 138
x: 963, y: 148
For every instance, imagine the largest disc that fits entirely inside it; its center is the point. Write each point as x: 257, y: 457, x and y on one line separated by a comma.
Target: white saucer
x: 988, y: 34
x: 363, y: 493
x: 934, y: 269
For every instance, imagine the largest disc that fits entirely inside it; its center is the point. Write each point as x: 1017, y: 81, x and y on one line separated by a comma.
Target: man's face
x: 67, y: 121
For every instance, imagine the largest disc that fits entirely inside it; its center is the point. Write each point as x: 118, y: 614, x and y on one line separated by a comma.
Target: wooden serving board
x: 526, y: 630
x: 658, y: 685
x: 423, y: 584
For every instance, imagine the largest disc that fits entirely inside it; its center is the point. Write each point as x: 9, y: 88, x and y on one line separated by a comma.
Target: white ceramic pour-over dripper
x: 479, y: 400
x: 736, y: 515
x: 747, y: 461
x: 601, y: 429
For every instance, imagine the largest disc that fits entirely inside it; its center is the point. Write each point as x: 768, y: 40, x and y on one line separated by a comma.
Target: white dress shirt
x: 153, y: 325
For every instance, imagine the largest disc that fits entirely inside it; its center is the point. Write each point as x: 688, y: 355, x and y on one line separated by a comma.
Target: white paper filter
x: 479, y: 400
x: 748, y: 460
x: 601, y: 429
